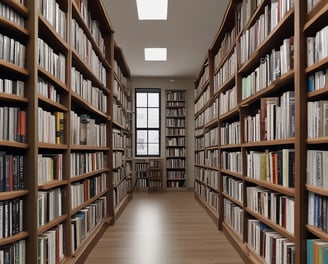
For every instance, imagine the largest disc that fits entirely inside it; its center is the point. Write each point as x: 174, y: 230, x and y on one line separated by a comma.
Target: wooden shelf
x: 13, y: 239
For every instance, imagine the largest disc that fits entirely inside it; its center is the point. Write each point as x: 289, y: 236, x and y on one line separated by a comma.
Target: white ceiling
x: 187, y: 34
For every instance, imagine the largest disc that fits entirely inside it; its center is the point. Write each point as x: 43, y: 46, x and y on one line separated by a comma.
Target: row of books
x: 12, y: 51
x: 212, y: 158
x: 118, y: 159
x: 11, y: 217
x: 226, y: 45
x: 230, y: 133
x: 253, y: 37
x: 231, y: 161
x: 123, y: 79
x: 13, y: 124
x: 119, y: 115
x: 118, y: 175
x: 233, y: 187
x: 175, y: 184
x: 318, y: 119
x: 86, y: 162
x: 211, y: 112
x: 227, y: 70
x: 317, y: 46
x: 200, y: 157
x: 175, y: 104
x: 199, y: 123
x: 175, y: 131
x: 233, y: 216
x: 11, y: 172
x: 11, y: 14
x: 84, y: 88
x: 13, y: 253
x: 175, y: 175
x: 92, y: 25
x: 51, y: 246
x: 142, y: 183
x: 175, y: 152
x: 175, y: 112
x: 83, y: 222
x: 269, y: 244
x: 175, y: 122
x: 155, y: 174
x: 86, y: 51
x: 202, y: 80
x: 244, y: 12
x: 120, y: 192
x: 317, y: 169
x: 51, y: 60
x: 50, y: 205
x: 156, y: 183
x: 276, y: 166
x: 15, y: 87
x: 51, y: 126
x: 317, y: 211
x: 227, y: 100
x: 87, y: 131
x: 172, y: 142
x: 175, y: 163
x: 175, y: 96
x: 208, y: 177
x: 51, y: 10
x: 274, y: 120
x: 117, y: 138
x: 272, y: 66
x: 50, y: 167
x: 317, y: 251
x: 203, y: 99
x: 318, y: 80
x: 86, y: 189
x: 277, y: 207
x: 48, y: 90
x: 121, y: 95
x: 211, y: 138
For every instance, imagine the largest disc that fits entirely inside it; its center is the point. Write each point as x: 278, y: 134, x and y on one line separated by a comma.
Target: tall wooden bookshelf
x: 175, y: 139
x: 57, y: 92
x: 270, y: 93
x: 121, y: 125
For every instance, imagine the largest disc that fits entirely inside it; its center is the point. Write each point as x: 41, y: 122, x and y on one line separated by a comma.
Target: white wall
x: 179, y: 84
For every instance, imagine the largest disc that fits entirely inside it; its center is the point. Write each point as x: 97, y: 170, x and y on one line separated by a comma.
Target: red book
x: 22, y: 126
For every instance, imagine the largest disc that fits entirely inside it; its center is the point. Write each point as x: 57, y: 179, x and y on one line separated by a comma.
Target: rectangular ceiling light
x: 155, y: 54
x: 152, y: 9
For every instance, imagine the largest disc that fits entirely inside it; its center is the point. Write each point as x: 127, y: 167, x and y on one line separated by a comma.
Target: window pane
x: 153, y: 117
x: 153, y: 136
x: 142, y: 142
x: 141, y: 117
x: 153, y: 100
x: 153, y: 149
x: 141, y: 100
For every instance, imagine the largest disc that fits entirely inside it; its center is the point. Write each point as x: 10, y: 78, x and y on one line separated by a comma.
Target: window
x: 147, y: 122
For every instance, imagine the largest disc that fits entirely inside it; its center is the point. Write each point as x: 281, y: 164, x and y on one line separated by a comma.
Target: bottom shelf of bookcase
x: 84, y: 250
x: 211, y: 212
x: 121, y: 206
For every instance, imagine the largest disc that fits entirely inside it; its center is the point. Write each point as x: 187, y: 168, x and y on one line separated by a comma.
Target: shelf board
x: 231, y: 146
x: 227, y: 196
x: 277, y: 142
x: 52, y: 103
x: 317, y: 66
x: 52, y: 184
x: 317, y: 232
x: 13, y: 239
x: 88, y: 147
x: 232, y: 173
x: 13, y: 144
x: 12, y: 98
x: 14, y: 69
x: 275, y: 187
x: 20, y: 8
x: 232, y: 113
x: 318, y: 93
x: 12, y: 194
x: 88, y: 175
x: 14, y: 28
x: 212, y: 123
x: 317, y: 141
x: 317, y: 190
x: 43, y: 145
x: 51, y: 224
x: 232, y: 233
x: 58, y: 83
x: 317, y: 15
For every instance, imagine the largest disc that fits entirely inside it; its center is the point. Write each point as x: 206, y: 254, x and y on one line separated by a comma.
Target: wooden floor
x: 163, y: 228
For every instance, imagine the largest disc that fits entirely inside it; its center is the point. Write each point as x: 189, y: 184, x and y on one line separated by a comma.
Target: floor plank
x: 163, y: 228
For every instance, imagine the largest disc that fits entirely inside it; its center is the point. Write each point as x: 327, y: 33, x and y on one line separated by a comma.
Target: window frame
x: 136, y: 129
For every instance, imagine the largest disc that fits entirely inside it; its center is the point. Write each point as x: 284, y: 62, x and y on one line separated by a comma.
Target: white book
x: 310, y: 51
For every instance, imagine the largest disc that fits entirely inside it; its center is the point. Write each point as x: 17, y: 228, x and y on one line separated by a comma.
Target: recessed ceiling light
x: 152, y: 9
x: 155, y: 54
